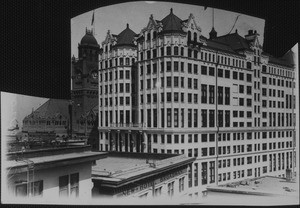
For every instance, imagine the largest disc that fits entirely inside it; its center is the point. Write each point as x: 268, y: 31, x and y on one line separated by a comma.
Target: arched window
x: 189, y: 35
x: 106, y: 48
x: 182, y: 51
x: 127, y: 60
x: 195, y: 36
x: 148, y: 36
x: 168, y: 50
x: 195, y: 54
x: 154, y: 34
x: 189, y: 53
x: 176, y: 50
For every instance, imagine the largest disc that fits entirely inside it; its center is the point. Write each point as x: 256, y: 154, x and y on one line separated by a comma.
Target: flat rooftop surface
x: 267, y: 190
x: 270, y: 185
x: 119, y: 167
x: 54, y: 158
x: 114, y: 163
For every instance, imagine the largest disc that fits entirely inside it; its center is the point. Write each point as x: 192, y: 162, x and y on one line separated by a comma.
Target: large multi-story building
x: 220, y: 99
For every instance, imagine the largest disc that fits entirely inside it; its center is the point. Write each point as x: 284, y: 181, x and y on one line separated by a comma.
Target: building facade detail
x: 221, y: 100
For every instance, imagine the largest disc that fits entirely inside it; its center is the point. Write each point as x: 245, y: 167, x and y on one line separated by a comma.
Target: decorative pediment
x: 109, y: 38
x: 152, y: 24
x: 255, y: 44
x: 191, y: 23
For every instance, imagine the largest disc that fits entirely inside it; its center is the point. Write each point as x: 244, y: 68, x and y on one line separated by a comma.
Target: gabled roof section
x: 109, y: 37
x: 280, y: 61
x: 234, y: 41
x: 52, y: 108
x: 219, y: 46
x: 191, y: 22
x: 126, y: 37
x: 172, y: 23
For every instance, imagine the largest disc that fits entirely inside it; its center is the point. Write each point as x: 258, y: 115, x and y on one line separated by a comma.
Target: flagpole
x: 213, y: 17
x: 94, y: 25
x: 93, y: 20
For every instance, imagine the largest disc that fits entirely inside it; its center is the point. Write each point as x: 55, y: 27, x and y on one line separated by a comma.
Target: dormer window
x: 149, y: 36
x: 154, y: 34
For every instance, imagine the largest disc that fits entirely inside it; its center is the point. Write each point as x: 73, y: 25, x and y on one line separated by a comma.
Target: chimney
x: 250, y: 32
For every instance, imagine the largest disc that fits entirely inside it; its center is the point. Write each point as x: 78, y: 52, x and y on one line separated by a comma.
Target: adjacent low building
x: 52, y: 174
x: 141, y: 175
x: 265, y: 190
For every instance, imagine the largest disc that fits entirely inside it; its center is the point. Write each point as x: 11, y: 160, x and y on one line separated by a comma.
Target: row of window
x: 276, y: 161
x: 210, y: 57
x: 117, y: 62
x: 109, y: 88
x: 47, y: 122
x: 108, y: 76
x: 276, y: 72
x: 280, y: 82
x: 68, y: 186
x: 193, y: 68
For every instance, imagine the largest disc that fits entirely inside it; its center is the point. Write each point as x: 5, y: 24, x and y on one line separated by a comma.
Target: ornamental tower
x: 85, y: 78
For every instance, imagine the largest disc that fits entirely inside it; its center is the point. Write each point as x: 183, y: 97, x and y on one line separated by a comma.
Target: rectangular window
x: 227, y: 95
x: 220, y: 118
x: 220, y: 95
x: 211, y: 71
x: 227, y: 118
x: 195, y: 117
x: 211, y: 94
x: 195, y: 84
x: 204, y: 93
x: 176, y: 82
x: 234, y: 75
x: 212, y: 171
x: 169, y: 81
x: 176, y: 68
x: 176, y: 123
x: 189, y: 68
x: 181, y: 184
x: 189, y: 117
x: 211, y: 118
x: 168, y: 65
x: 204, y: 173
x: 220, y: 72
x: 204, y: 117
x: 204, y: 70
x: 227, y: 74
x: 190, y: 83
x: 169, y: 117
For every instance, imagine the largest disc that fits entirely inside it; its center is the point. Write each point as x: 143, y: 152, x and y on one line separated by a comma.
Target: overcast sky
x: 16, y: 107
x: 136, y: 14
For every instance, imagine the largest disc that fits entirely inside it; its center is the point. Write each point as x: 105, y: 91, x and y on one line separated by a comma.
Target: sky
x: 16, y: 107
x: 136, y: 14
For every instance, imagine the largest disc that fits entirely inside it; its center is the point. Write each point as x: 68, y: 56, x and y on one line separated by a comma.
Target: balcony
x: 125, y: 126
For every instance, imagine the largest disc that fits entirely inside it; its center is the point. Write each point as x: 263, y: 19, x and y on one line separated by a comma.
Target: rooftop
x: 126, y: 37
x: 52, y: 157
x: 119, y: 166
x: 51, y: 109
x: 257, y: 191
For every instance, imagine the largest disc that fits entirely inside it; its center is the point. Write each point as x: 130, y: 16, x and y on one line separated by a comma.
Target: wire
x: 234, y: 23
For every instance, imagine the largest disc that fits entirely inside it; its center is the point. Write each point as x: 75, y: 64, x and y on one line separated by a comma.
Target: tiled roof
x: 126, y: 37
x: 171, y: 23
x: 219, y: 46
x: 51, y: 108
x: 234, y: 40
x: 279, y: 61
